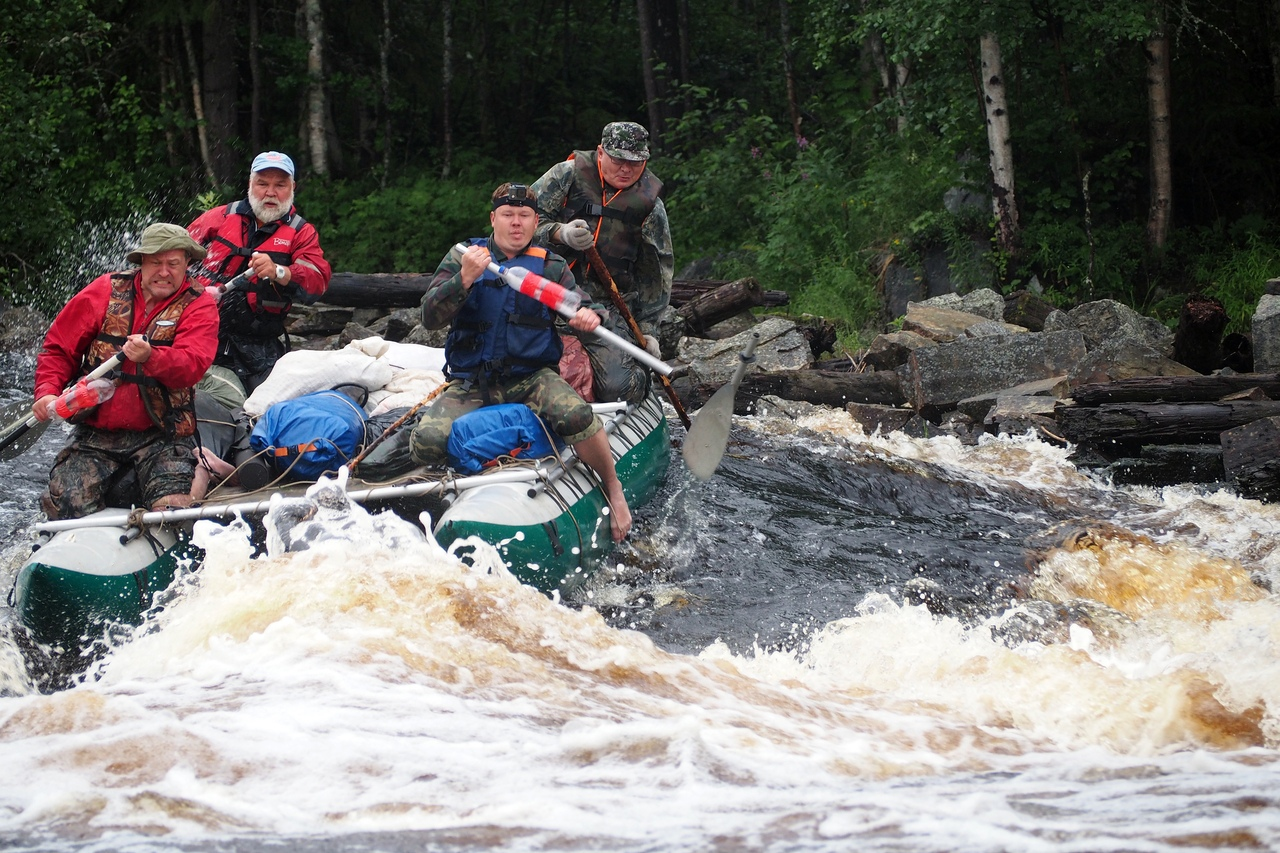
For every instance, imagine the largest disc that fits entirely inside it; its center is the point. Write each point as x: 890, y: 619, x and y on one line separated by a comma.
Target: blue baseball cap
x: 272, y: 160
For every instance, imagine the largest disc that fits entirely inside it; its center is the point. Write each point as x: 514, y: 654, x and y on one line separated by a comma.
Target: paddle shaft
x: 597, y: 262
x: 551, y: 298
x: 17, y: 429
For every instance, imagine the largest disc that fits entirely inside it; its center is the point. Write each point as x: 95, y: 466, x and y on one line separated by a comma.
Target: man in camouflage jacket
x: 608, y: 198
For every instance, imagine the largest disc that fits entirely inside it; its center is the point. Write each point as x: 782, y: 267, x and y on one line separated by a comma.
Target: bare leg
x: 595, y: 452
x: 172, y: 502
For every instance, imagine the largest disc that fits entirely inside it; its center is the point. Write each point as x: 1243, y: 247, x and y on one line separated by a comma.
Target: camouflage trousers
x: 616, y: 375
x: 100, y: 468
x: 543, y: 391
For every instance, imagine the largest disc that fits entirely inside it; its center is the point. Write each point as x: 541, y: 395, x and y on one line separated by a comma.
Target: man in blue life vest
x: 610, y: 199
x: 264, y: 233
x: 503, y: 347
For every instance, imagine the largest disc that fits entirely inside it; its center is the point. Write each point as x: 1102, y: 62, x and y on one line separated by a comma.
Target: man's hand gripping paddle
x: 566, y: 303
x: 26, y: 428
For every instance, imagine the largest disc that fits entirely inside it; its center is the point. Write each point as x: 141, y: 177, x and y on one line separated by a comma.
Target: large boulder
x: 937, y: 378
x: 782, y: 346
x: 1266, y: 335
x: 1106, y: 321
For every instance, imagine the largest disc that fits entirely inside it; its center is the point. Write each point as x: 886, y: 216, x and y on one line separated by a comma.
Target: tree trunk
x: 255, y: 77
x: 384, y: 70
x: 644, y: 19
x: 220, y: 84
x: 784, y: 33
x: 446, y: 85
x: 1273, y: 45
x: 686, y: 75
x: 1004, y: 199
x: 1158, y: 96
x: 316, y: 135
x: 169, y: 105
x: 197, y: 103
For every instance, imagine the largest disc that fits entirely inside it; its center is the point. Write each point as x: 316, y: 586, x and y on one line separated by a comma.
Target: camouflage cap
x: 625, y: 140
x: 163, y: 236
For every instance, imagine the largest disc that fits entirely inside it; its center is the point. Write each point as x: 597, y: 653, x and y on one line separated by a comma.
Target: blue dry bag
x: 478, y: 438
x: 311, y: 434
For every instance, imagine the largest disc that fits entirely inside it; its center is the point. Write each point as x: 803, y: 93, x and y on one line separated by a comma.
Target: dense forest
x: 1092, y: 148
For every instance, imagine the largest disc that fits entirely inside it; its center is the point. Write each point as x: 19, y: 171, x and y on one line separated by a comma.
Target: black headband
x: 517, y: 195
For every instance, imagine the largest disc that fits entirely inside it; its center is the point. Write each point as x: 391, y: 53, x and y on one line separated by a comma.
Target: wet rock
x: 781, y: 346
x: 937, y: 378
x: 1266, y: 335
x: 319, y: 319
x: 1125, y: 358
x: 893, y: 349
x: 1108, y: 321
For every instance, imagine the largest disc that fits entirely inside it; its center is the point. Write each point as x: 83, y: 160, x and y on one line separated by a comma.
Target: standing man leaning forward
x: 168, y: 330
x: 503, y: 346
x: 608, y: 197
x: 264, y: 233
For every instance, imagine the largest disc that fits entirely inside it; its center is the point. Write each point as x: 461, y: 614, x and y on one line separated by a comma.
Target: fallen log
x: 823, y: 387
x: 377, y: 290
x: 1134, y: 424
x: 686, y: 290
x: 709, y: 308
x: 1175, y: 389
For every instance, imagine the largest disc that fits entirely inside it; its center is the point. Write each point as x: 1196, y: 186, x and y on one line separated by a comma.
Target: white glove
x: 651, y: 346
x: 576, y: 235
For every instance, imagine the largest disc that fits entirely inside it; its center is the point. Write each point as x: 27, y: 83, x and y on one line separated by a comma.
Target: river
x: 839, y: 642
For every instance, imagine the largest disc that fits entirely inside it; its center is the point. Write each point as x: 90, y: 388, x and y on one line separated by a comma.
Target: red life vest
x: 170, y: 409
x: 237, y: 239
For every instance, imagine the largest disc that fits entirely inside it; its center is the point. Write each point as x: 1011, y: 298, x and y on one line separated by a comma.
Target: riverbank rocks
x: 21, y: 327
x: 1108, y: 320
x: 1266, y: 334
x: 781, y: 346
x: 937, y: 378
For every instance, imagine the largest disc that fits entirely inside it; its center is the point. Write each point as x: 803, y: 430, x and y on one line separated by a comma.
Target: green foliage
x: 1236, y: 275
x: 406, y: 227
x: 1073, y: 271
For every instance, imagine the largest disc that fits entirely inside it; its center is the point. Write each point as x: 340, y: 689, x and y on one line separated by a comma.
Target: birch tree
x: 1156, y: 49
x: 316, y: 106
x: 999, y: 142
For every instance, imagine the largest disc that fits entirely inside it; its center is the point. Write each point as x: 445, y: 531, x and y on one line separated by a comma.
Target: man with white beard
x: 264, y: 234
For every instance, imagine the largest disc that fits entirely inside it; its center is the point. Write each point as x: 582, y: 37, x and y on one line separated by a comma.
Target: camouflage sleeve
x: 445, y: 293
x: 655, y: 267
x: 552, y: 189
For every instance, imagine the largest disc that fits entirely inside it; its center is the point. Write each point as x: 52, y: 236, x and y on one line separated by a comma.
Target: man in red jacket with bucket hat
x: 167, y: 330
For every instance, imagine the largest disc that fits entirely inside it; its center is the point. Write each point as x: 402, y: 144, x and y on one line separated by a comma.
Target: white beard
x: 266, y: 214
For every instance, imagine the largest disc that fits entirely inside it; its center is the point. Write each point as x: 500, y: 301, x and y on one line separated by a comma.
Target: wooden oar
x: 593, y: 255
x: 10, y: 447
x: 704, y: 445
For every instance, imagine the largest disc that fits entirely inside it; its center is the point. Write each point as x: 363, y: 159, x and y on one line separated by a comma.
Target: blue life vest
x: 480, y: 437
x: 500, y: 332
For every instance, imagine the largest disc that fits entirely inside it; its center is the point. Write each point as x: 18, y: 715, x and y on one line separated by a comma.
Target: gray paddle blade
x: 18, y: 436
x: 704, y: 445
